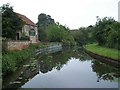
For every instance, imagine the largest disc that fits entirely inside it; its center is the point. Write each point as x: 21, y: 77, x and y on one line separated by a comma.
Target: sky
x: 72, y: 13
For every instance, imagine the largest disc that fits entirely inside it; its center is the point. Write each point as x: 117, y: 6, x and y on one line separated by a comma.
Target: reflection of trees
x: 80, y: 54
x: 104, y: 71
x: 48, y: 62
x: 57, y: 60
x: 21, y: 76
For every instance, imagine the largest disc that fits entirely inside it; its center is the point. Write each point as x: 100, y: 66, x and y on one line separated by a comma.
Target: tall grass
x: 11, y: 60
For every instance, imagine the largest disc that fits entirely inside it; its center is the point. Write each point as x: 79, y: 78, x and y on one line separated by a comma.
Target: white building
x: 29, y: 29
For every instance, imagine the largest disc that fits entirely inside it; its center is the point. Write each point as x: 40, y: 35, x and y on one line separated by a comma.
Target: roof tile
x: 27, y: 20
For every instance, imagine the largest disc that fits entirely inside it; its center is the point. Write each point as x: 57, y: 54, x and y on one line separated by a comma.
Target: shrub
x: 8, y: 63
x: 13, y: 59
x: 59, y: 33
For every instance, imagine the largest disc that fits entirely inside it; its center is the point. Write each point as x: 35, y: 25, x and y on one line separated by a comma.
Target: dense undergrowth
x: 11, y: 60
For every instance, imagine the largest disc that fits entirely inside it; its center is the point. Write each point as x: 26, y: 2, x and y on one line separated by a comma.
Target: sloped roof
x: 27, y: 20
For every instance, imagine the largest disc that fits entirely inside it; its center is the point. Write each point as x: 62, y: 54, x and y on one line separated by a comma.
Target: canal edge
x: 113, y: 62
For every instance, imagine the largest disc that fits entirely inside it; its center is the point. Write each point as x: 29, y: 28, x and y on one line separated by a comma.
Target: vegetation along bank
x: 11, y: 60
x: 104, y: 53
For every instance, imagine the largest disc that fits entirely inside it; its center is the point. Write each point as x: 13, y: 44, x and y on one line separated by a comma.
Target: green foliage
x: 107, y: 32
x: 54, y: 32
x: 43, y: 21
x: 11, y: 23
x: 12, y: 60
x: 59, y: 33
x: 83, y: 35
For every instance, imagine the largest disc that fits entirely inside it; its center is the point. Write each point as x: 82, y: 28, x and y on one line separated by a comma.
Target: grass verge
x: 103, y: 51
x: 11, y: 60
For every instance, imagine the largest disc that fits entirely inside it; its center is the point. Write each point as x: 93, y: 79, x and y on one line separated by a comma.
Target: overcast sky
x: 72, y: 13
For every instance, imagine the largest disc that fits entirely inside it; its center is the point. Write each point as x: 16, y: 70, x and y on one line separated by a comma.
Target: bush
x: 107, y: 32
x: 13, y: 59
x: 8, y: 63
x: 59, y: 33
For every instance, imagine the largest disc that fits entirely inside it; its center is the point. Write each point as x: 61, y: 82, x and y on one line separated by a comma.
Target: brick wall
x: 17, y: 45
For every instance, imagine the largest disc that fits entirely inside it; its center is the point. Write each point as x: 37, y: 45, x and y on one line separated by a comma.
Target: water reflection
x: 57, y: 60
x: 104, y: 71
x: 22, y: 75
x: 82, y: 68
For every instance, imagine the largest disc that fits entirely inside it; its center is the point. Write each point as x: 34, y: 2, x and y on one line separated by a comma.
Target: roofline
x: 27, y: 18
x: 31, y: 25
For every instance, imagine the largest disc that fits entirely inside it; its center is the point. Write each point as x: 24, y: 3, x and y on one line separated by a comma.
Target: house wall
x: 27, y: 28
x: 32, y: 39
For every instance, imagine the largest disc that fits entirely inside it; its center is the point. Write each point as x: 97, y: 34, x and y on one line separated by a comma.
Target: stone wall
x: 33, y: 39
x: 17, y: 45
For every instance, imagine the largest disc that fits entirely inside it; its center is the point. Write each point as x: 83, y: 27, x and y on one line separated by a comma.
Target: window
x: 32, y: 33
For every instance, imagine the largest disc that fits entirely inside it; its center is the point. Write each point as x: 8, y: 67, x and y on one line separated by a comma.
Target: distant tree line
x: 83, y: 35
x: 106, y: 32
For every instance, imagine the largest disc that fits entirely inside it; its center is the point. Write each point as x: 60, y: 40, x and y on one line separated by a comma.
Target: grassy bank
x: 11, y: 60
x: 103, y: 51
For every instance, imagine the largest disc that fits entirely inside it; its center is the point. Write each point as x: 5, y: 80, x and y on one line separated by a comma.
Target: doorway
x: 17, y: 37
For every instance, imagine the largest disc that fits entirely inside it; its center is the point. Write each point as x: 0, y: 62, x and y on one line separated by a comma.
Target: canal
x: 67, y: 68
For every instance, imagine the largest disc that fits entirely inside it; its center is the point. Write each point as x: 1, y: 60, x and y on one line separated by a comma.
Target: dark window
x: 32, y: 33
x: 17, y: 36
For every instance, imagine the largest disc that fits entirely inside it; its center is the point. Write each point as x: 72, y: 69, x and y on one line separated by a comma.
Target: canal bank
x: 49, y: 49
x: 28, y: 67
x: 68, y: 68
x: 98, y: 54
x: 12, y: 60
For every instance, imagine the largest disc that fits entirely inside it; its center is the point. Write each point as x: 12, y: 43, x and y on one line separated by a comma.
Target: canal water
x: 67, y: 68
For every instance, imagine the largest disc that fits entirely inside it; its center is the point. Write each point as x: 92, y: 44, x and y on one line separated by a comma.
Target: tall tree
x: 59, y: 33
x: 102, y: 28
x: 43, y: 21
x: 107, y: 32
x: 11, y: 23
